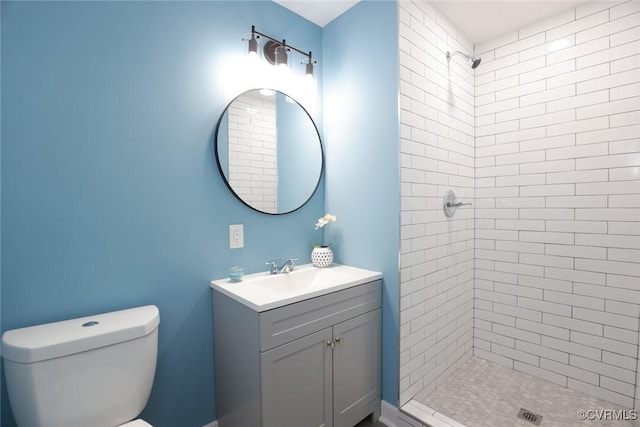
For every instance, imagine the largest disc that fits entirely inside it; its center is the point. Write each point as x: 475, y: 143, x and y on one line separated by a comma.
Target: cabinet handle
x: 340, y: 340
x: 331, y: 344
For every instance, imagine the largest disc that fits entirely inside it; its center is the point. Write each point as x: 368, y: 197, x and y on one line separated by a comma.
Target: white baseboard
x: 211, y: 424
x: 388, y: 414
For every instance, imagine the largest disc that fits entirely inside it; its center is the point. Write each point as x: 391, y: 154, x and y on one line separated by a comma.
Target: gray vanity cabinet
x: 314, y: 363
x: 356, y: 357
x: 296, y: 382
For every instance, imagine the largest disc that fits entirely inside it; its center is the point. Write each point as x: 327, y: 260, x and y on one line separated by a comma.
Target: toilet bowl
x: 92, y: 371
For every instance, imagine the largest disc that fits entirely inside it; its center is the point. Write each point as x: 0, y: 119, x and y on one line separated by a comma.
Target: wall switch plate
x: 236, y: 236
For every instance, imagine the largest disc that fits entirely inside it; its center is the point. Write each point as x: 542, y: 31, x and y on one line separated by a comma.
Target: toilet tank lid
x: 51, y: 340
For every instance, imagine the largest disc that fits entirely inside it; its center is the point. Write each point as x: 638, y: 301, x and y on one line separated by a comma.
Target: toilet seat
x: 136, y: 423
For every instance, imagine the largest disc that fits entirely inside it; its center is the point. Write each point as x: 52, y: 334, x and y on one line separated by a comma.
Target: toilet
x: 93, y: 371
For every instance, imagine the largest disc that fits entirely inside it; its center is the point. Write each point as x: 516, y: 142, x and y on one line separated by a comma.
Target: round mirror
x: 269, y: 152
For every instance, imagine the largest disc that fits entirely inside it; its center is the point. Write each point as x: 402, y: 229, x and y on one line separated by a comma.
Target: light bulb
x: 281, y: 56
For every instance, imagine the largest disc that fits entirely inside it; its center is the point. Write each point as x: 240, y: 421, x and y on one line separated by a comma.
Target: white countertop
x: 265, y: 291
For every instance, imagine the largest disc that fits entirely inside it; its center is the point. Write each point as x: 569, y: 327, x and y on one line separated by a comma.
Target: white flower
x: 326, y: 219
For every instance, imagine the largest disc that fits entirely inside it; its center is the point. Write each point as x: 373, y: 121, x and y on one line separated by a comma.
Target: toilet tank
x: 93, y: 371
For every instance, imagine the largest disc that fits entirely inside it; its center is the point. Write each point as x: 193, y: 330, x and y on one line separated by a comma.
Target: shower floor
x: 484, y: 394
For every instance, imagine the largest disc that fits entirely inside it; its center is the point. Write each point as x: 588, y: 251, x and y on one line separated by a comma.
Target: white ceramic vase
x: 322, y: 256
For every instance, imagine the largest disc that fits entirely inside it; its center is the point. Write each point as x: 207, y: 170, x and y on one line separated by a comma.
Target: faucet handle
x: 273, y: 265
x: 288, y: 266
x: 275, y: 261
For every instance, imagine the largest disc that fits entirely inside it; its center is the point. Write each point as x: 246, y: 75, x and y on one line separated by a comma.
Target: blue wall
x: 111, y: 197
x: 360, y: 74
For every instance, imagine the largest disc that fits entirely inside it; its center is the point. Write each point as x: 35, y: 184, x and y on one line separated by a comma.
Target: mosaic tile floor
x: 484, y: 394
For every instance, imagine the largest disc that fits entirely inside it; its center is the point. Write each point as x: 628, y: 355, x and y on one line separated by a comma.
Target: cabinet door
x: 356, y: 364
x: 296, y: 383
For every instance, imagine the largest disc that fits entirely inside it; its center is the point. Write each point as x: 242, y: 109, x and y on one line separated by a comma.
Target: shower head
x: 473, y: 61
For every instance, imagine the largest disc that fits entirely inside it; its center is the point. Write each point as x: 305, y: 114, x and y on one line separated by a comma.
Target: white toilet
x: 94, y: 371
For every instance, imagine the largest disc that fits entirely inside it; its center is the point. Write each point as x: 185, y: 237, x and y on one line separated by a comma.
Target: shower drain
x: 527, y: 415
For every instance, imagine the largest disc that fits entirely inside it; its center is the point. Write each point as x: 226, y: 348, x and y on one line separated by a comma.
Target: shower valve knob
x: 457, y: 203
x: 451, y: 203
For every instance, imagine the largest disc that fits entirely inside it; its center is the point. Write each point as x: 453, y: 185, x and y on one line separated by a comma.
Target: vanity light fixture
x: 277, y: 51
x: 253, y: 45
x: 281, y: 56
x: 309, y: 66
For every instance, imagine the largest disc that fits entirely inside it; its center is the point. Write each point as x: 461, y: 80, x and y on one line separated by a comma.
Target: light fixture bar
x: 282, y: 44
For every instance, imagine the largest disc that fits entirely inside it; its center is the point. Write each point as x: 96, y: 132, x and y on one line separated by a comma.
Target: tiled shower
x: 542, y: 273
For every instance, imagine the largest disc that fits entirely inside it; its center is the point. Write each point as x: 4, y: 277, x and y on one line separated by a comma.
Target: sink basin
x: 265, y: 291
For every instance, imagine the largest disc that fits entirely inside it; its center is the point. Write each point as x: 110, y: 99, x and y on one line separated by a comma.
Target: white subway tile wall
x: 545, y: 139
x: 558, y: 181
x: 252, y: 151
x: 437, y: 154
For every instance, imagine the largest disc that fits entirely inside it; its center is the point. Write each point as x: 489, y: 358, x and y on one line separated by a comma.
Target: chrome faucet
x: 286, y: 267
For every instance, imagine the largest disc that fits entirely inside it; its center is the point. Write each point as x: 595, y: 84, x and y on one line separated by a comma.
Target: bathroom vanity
x: 301, y: 349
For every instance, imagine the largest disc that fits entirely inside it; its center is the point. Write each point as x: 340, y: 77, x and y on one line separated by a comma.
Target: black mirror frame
x: 226, y: 181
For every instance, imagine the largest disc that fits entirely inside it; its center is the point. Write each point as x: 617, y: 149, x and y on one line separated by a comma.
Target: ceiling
x: 478, y: 20
x: 320, y: 12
